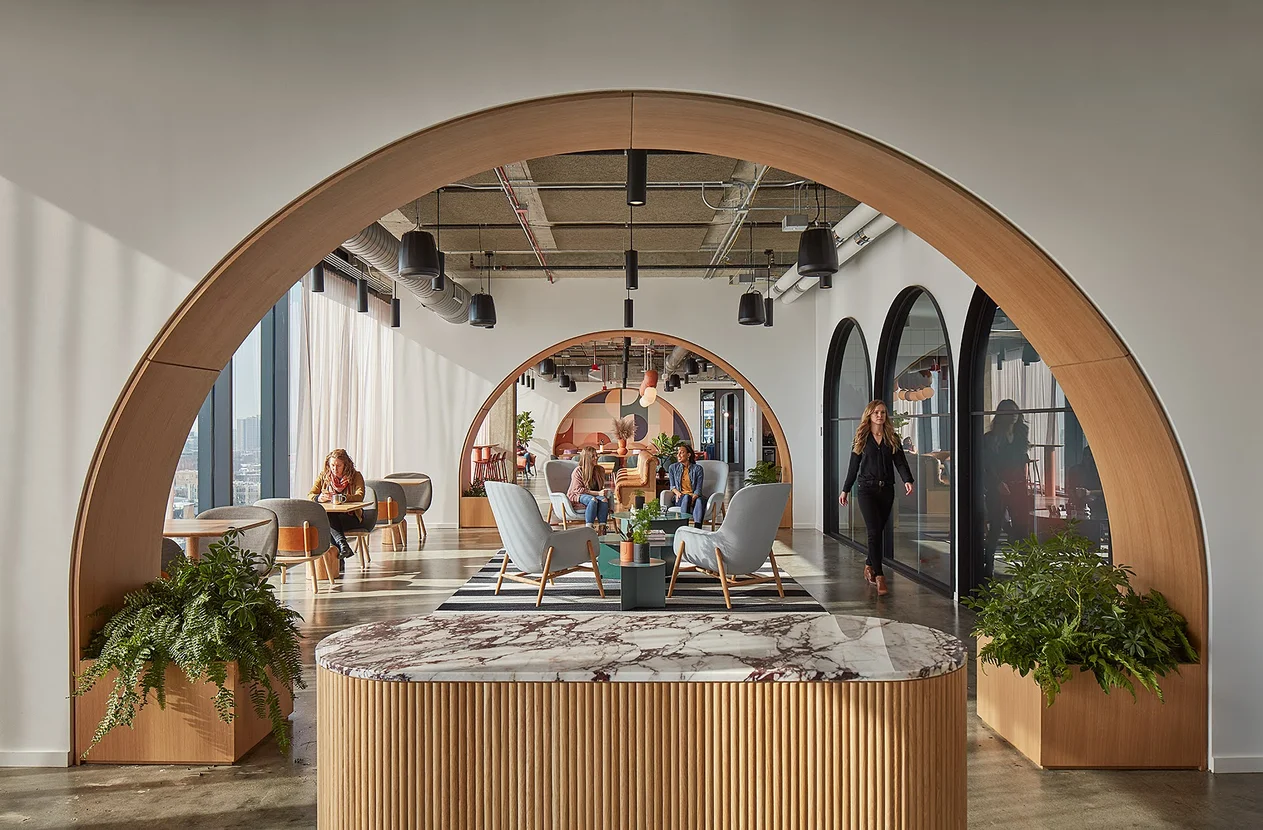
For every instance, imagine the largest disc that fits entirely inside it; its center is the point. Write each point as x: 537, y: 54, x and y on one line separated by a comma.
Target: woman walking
x: 875, y: 454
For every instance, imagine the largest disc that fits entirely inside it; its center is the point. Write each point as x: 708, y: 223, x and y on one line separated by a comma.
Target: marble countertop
x: 698, y: 647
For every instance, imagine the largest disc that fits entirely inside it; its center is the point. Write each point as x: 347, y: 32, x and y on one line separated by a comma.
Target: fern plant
x: 1062, y: 605
x: 477, y: 489
x: 205, y: 615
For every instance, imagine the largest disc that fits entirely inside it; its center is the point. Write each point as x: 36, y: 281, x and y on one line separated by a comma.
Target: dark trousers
x: 875, y: 506
x: 338, y: 523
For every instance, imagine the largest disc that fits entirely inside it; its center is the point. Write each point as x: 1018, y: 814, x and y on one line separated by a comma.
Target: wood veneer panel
x: 641, y: 755
x: 1051, y: 311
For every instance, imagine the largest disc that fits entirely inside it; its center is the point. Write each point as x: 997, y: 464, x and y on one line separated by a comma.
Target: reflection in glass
x: 247, y: 388
x: 1036, y: 468
x: 852, y: 392
x: 919, y: 394
x: 184, y: 486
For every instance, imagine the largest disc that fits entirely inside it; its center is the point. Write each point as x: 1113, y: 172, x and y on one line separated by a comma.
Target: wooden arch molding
x: 782, y: 445
x: 119, y: 520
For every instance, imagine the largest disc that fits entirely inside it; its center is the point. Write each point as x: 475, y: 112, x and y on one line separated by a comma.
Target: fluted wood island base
x: 641, y: 720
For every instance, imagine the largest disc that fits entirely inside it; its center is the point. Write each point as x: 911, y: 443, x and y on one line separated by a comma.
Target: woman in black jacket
x: 875, y: 454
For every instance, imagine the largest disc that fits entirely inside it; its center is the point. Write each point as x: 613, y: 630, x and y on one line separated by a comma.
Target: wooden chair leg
x: 421, y: 531
x: 675, y: 573
x: 311, y: 573
x: 503, y: 567
x: 401, y: 536
x: 550, y: 514
x: 596, y: 570
x: 776, y: 572
x: 543, y: 580
x: 723, y: 577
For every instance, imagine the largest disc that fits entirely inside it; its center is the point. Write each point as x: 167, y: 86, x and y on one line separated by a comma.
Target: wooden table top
x: 199, y: 528
x: 344, y: 507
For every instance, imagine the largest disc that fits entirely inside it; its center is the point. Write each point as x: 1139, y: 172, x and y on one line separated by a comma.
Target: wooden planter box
x: 1088, y: 729
x: 188, y: 731
x: 475, y: 511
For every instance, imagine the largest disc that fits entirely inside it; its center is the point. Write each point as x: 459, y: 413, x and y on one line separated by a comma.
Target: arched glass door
x: 917, y: 383
x: 848, y: 389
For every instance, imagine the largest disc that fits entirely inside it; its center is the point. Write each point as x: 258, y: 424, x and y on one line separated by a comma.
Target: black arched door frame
x: 832, y: 372
x: 973, y: 342
x: 884, y: 378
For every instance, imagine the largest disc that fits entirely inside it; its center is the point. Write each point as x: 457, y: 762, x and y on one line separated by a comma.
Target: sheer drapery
x: 343, y: 368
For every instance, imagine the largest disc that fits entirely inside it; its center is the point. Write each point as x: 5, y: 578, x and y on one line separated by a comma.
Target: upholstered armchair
x: 557, y: 474
x: 714, y: 490
x: 640, y: 477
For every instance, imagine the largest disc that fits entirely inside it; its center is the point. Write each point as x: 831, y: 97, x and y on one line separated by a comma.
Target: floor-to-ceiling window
x: 1030, y: 467
x: 247, y: 389
x: 848, y: 389
x: 916, y: 382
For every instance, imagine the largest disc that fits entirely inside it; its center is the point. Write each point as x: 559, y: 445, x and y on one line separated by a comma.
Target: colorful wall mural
x: 590, y: 423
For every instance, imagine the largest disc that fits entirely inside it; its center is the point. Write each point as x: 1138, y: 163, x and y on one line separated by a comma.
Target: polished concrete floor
x: 268, y: 790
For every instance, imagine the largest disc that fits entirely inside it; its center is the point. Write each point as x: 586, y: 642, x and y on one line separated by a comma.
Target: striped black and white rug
x: 577, y: 592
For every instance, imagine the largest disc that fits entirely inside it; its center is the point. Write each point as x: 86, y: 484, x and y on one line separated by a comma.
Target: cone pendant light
x: 418, y: 253
x: 817, y: 253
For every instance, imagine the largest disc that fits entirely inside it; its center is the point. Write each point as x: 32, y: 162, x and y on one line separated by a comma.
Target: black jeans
x: 875, y: 502
x: 339, y: 522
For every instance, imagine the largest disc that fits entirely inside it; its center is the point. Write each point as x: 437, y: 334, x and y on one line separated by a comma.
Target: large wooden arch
x: 782, y: 445
x: 1154, y: 517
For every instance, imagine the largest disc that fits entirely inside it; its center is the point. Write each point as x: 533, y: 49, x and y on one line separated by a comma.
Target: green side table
x: 642, y: 586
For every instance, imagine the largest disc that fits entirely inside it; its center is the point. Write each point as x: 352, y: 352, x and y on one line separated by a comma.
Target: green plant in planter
x: 205, y: 615
x: 1062, y: 605
x: 664, y: 447
x: 640, y: 520
x: 764, y: 472
x: 477, y: 489
x: 525, y: 427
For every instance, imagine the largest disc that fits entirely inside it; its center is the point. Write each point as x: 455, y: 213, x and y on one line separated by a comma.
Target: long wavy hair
x: 346, y: 459
x: 866, y: 425
x: 593, y: 474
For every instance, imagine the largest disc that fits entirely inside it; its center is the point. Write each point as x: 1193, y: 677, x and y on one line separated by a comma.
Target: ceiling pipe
x: 380, y: 249
x: 852, y: 246
x: 521, y: 212
x: 859, y: 216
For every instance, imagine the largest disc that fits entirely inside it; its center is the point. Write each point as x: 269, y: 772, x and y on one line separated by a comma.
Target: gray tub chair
x: 557, y: 476
x: 533, y: 546
x: 392, y: 512
x: 261, y: 540
x: 303, y: 538
x: 420, y: 496
x: 742, y: 544
x: 714, y: 488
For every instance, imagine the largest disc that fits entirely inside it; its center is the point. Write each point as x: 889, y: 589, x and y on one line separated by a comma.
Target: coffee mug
x: 339, y: 498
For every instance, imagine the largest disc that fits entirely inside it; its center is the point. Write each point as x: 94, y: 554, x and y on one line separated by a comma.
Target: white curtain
x: 343, y: 368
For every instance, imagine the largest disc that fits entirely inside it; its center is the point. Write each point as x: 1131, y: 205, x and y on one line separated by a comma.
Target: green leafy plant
x: 897, y: 421
x: 477, y: 489
x: 525, y: 427
x: 1062, y: 605
x: 764, y: 472
x: 640, y: 521
x: 203, y: 616
x: 664, y: 447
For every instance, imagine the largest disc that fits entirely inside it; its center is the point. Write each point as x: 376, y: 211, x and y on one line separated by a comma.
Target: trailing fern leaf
x: 202, y: 617
x: 1062, y: 605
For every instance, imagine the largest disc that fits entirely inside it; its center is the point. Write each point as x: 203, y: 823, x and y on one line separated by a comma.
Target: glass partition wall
x: 1031, y: 469
x: 848, y: 389
x: 916, y: 383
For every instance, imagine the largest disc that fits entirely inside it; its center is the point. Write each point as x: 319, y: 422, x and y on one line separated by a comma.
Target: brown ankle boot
x: 882, y: 590
x: 868, y: 575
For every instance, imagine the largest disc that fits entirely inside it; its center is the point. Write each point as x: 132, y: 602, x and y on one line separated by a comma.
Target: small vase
x: 622, y: 446
x: 626, y: 552
x: 639, y: 501
x: 642, y: 554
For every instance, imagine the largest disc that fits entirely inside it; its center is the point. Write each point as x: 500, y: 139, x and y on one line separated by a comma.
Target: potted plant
x: 664, y: 447
x: 624, y: 430
x: 1062, y: 611
x: 525, y: 427
x: 638, y: 528
x: 764, y: 472
x: 638, y: 500
x: 475, y: 509
x: 214, y: 629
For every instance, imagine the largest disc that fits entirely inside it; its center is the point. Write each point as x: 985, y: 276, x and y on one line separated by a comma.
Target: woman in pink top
x: 587, y: 490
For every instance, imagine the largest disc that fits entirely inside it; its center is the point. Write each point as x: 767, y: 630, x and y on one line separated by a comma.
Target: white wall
x: 1123, y: 140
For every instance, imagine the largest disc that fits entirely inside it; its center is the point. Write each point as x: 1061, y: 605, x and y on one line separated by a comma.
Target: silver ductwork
x: 380, y: 249
x: 676, y: 359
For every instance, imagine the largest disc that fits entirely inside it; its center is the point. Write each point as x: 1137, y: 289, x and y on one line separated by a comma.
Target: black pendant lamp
x: 573, y: 387
x: 418, y: 253
x: 482, y: 307
x: 394, y: 312
x: 637, y: 176
x: 361, y: 295
x: 318, y: 278
x: 674, y: 380
x: 628, y: 314
x: 691, y: 367
x: 817, y: 253
x: 439, y: 281
x: 631, y: 259
x: 750, y: 309
x: 768, y: 302
x: 547, y: 367
x: 564, y: 381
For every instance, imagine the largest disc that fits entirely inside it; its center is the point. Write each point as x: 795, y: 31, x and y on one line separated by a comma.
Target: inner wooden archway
x: 120, y: 514
x: 782, y: 445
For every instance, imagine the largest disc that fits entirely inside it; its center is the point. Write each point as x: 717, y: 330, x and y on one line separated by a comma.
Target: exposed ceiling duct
x: 380, y: 249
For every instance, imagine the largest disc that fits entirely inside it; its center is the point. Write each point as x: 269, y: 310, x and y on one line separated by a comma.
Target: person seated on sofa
x: 587, y: 491
x: 684, y: 477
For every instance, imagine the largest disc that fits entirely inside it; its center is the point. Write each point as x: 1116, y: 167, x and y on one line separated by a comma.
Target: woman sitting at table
x: 684, y: 477
x: 340, y: 482
x: 587, y: 490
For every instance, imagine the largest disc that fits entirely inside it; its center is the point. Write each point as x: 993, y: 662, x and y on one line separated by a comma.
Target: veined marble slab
x: 696, y: 647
